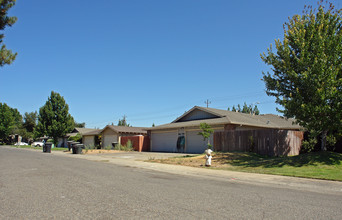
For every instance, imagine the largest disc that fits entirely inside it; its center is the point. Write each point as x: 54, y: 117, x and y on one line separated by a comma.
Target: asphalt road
x: 35, y: 185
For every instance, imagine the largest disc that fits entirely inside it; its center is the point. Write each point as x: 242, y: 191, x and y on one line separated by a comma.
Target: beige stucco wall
x: 108, y: 137
x: 88, y: 141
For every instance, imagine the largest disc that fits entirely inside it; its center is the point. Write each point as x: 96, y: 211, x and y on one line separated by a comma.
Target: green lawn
x: 40, y: 148
x: 318, y: 165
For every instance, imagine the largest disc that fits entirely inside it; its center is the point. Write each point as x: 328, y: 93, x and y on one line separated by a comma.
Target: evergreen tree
x: 307, y: 67
x: 248, y: 109
x: 6, y: 56
x: 123, y: 122
x: 54, y: 119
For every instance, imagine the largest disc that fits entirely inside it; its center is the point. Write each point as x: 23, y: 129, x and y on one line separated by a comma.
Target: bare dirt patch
x: 219, y: 160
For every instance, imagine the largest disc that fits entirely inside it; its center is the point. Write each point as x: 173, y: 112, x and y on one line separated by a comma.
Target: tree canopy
x: 79, y: 125
x: 123, y: 122
x: 6, y: 56
x: 7, y: 121
x: 30, y: 121
x: 307, y: 70
x: 248, y: 109
x: 54, y: 119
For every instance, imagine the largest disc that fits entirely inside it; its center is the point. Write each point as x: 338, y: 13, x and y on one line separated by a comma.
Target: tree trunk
x: 324, y: 140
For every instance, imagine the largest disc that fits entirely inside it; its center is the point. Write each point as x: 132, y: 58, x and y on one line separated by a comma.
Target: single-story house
x: 111, y: 134
x: 62, y: 142
x: 164, y: 137
x: 92, y: 138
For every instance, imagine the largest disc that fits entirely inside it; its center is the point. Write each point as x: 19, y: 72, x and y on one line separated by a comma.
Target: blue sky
x: 150, y: 60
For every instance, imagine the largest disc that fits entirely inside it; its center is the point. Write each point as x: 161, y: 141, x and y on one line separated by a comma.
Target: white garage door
x: 166, y: 142
x: 109, y: 139
x: 195, y: 143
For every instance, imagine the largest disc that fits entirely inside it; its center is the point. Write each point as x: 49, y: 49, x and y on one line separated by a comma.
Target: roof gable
x: 197, y: 113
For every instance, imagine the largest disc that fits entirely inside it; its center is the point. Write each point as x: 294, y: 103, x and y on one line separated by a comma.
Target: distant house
x: 112, y: 134
x: 62, y: 142
x: 92, y: 138
x: 164, y: 137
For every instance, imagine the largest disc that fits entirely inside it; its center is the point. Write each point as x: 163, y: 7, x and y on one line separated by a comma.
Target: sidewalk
x: 137, y: 160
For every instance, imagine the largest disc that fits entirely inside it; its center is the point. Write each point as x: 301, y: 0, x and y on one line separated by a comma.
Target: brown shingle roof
x: 229, y: 117
x: 94, y: 132
x: 81, y: 131
x: 124, y: 129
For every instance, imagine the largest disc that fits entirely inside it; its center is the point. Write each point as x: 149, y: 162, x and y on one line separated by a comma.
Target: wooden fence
x: 269, y: 142
x: 140, y: 143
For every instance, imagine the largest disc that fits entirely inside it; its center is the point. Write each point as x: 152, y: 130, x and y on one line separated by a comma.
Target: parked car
x: 20, y: 144
x: 37, y: 144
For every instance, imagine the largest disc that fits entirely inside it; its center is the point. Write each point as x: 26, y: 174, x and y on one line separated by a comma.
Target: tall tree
x: 30, y: 121
x: 10, y: 122
x: 54, y: 119
x: 7, y: 121
x: 6, y: 56
x: 307, y: 70
x: 123, y: 122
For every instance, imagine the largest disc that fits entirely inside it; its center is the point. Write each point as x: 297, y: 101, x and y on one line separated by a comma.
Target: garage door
x: 195, y: 143
x: 166, y: 142
x: 109, y: 139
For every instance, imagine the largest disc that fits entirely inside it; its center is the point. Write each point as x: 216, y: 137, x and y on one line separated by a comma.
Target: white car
x: 20, y: 144
x: 37, y: 144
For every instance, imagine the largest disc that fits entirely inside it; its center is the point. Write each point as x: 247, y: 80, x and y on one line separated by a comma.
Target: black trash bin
x: 79, y: 148
x: 69, y: 144
x: 74, y: 147
x: 114, y: 144
x: 47, y: 147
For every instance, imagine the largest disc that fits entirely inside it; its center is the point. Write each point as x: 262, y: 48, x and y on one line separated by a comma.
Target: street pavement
x: 36, y: 185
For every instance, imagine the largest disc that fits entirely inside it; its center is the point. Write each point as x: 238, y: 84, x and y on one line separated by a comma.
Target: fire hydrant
x: 208, y: 157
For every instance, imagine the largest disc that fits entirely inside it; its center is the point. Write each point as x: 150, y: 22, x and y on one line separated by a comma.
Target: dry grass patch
x: 100, y: 151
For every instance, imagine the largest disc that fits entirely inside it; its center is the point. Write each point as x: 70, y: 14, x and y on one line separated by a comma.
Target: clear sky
x: 150, y: 60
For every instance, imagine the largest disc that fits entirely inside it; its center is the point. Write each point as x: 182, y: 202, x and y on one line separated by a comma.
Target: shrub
x: 308, y: 145
x: 127, y: 147
x: 108, y: 147
x: 76, y: 138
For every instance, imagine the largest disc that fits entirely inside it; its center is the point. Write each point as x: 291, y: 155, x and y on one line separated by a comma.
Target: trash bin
x: 75, y: 149
x: 79, y: 148
x: 47, y: 147
x: 69, y: 144
x: 114, y: 144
